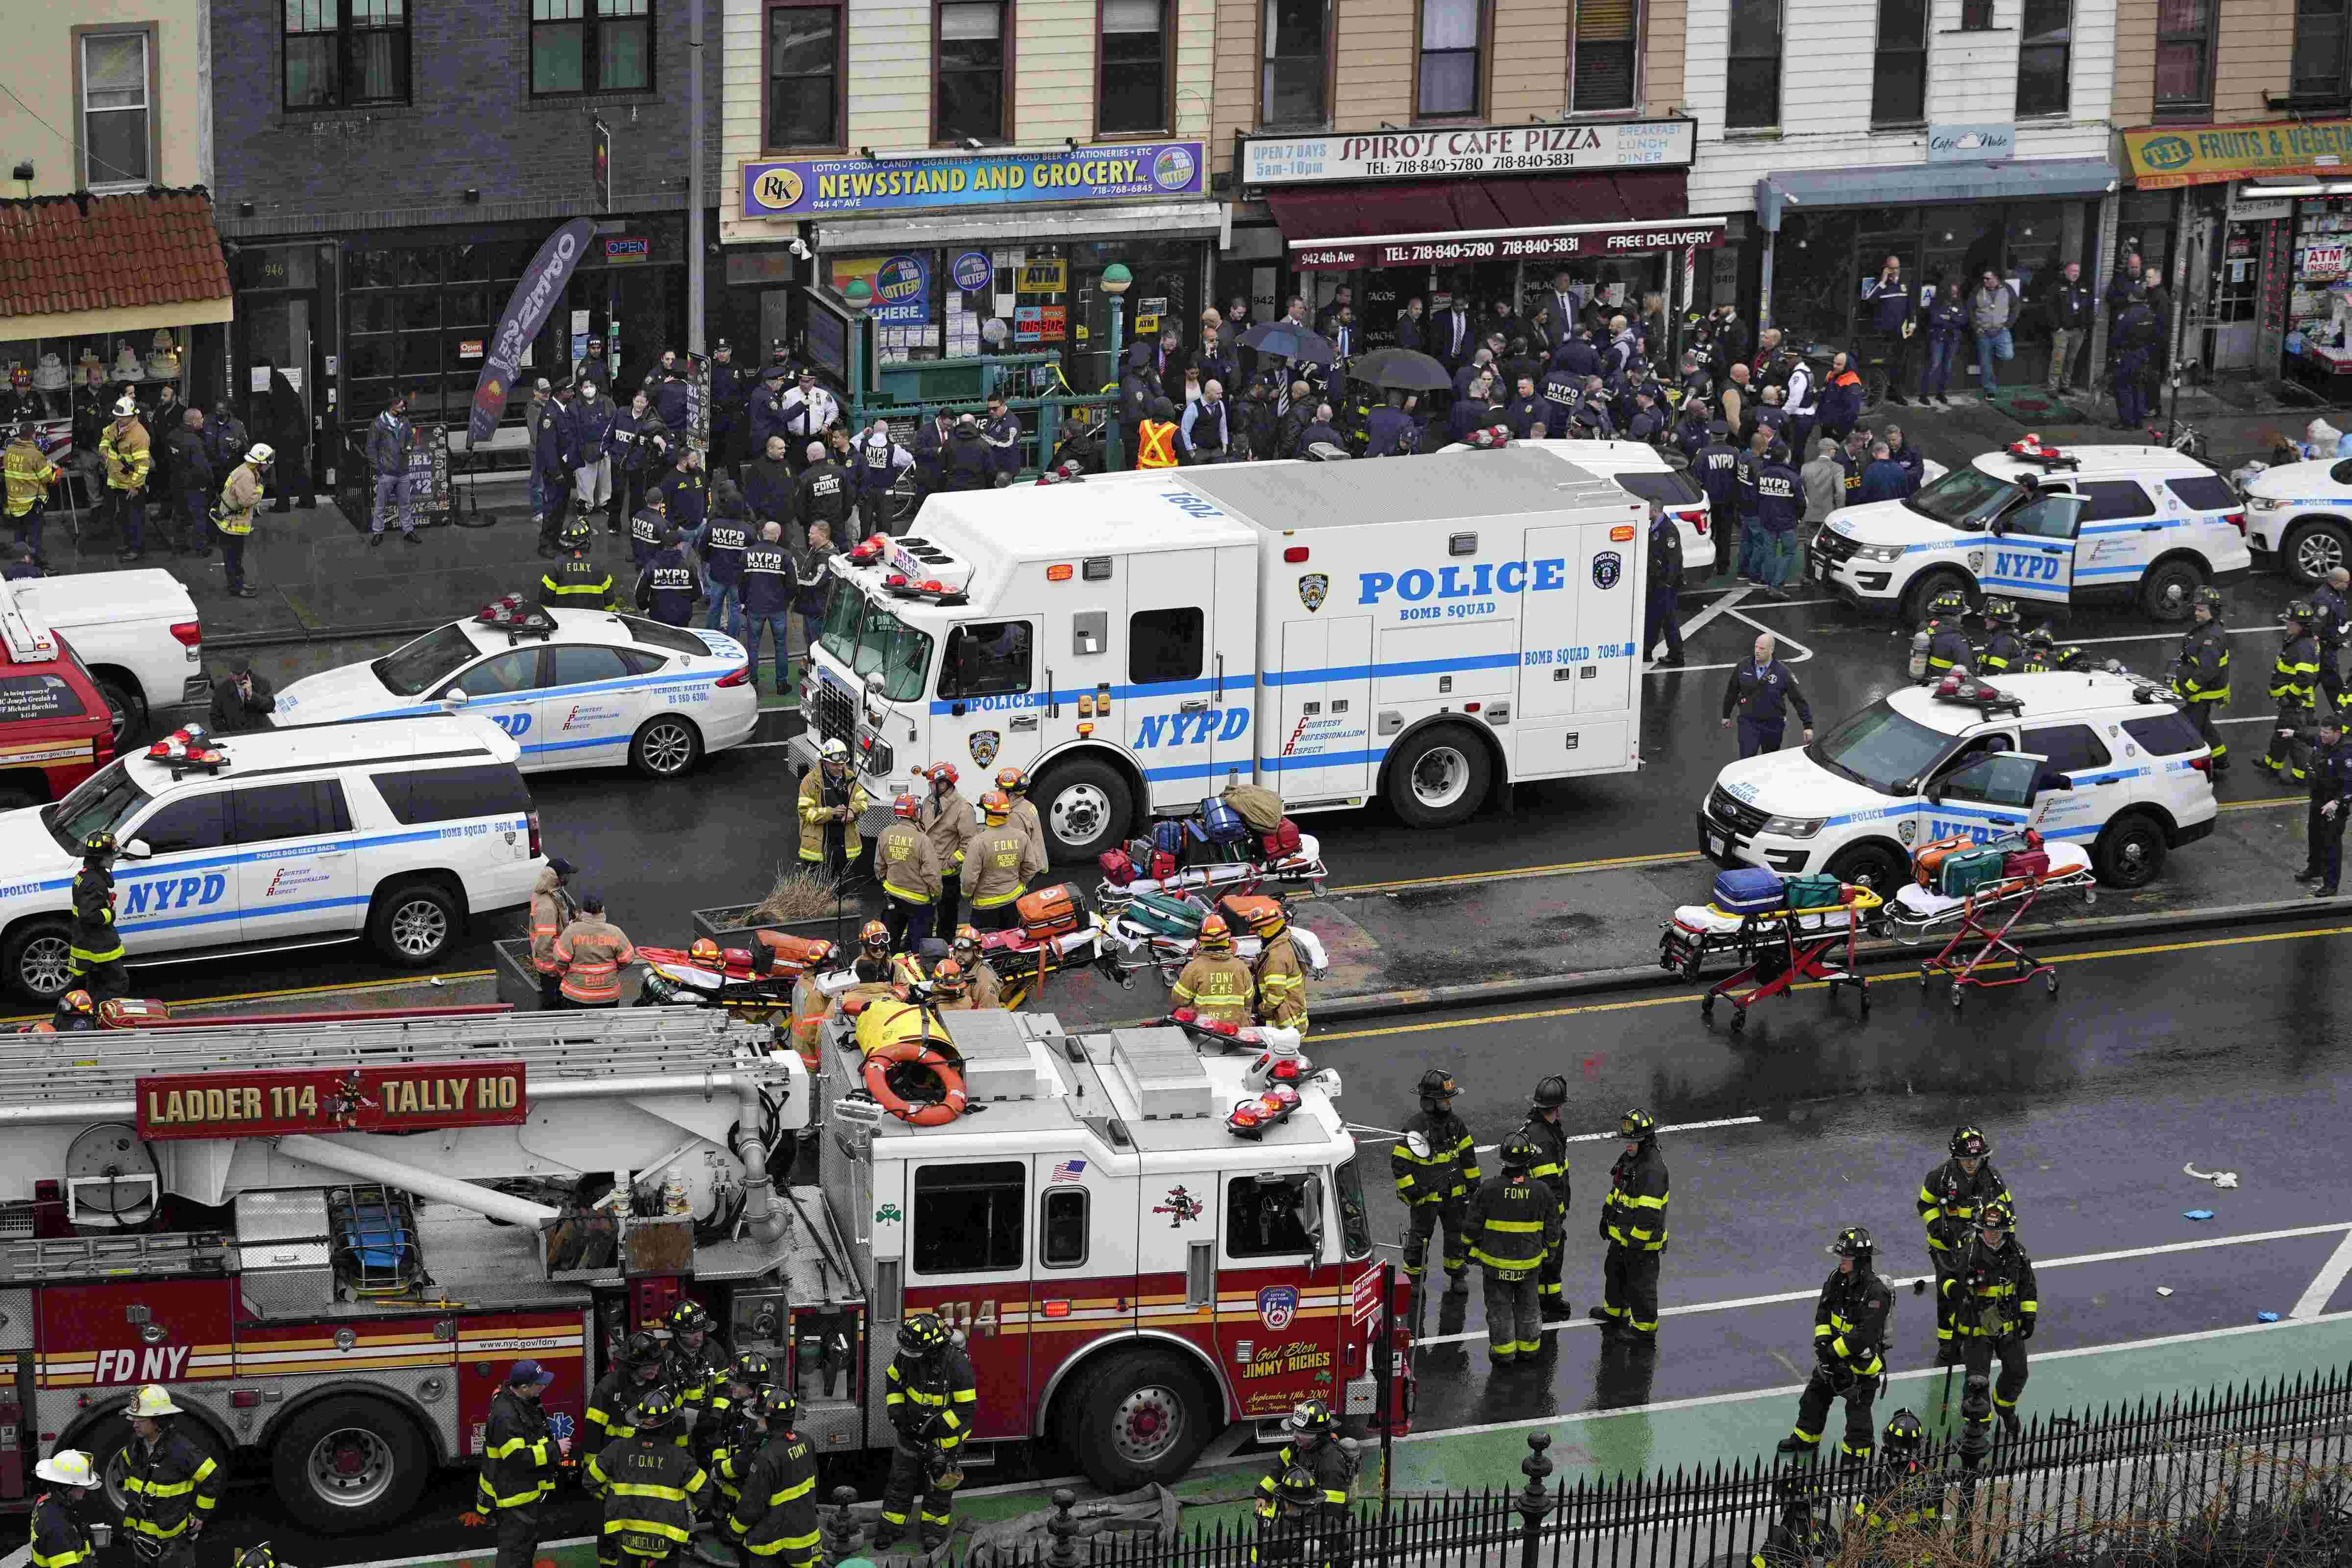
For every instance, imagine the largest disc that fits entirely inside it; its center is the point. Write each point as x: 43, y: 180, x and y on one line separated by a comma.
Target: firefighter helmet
x: 2299, y: 612
x: 1012, y: 781
x: 261, y: 455
x: 995, y: 808
x: 1310, y: 1419
x: 2000, y: 611
x: 1970, y: 1143
x: 752, y: 1368
x: 151, y: 1402
x: 576, y: 534
x: 1996, y: 1215
x: 98, y: 845
x: 874, y: 933
x: 1637, y: 1124
x: 1437, y: 1085
x: 1904, y: 1437
x: 75, y: 1004
x: 641, y: 1349
x: 67, y: 1467
x: 688, y: 1317
x: 906, y: 806
x: 1519, y: 1152
x: 704, y: 951
x: 1297, y: 1487
x: 948, y: 977
x: 783, y: 1407
x: 1951, y: 602
x: 940, y: 773
x: 967, y: 935
x: 1216, y: 936
x: 1853, y: 1241
x: 923, y: 1337
x: 1550, y: 1093
x: 2041, y: 637
x: 656, y: 1411
x: 834, y: 750
x: 258, y: 1556
x: 2210, y: 598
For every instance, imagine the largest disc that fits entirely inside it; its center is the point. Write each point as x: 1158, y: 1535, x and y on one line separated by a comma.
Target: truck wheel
x: 1874, y: 866
x: 125, y: 706
x: 106, y: 1440
x: 1086, y: 806
x: 1439, y: 777
x: 2167, y: 592
x: 665, y: 747
x: 2314, y: 549
x: 34, y: 962
x: 2129, y: 852
x: 349, y: 1464
x: 1925, y: 586
x: 415, y: 924
x: 1141, y: 1418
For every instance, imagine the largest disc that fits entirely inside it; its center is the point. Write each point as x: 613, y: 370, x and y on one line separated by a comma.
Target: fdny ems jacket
x: 909, y: 861
x: 1216, y: 985
x: 1435, y: 1161
x: 1633, y: 1214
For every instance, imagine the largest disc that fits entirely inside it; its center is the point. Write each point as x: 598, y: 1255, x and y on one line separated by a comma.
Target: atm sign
x: 331, y: 1100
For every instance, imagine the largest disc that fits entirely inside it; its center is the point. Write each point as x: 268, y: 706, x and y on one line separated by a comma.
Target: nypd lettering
x: 174, y: 892
x: 1191, y: 729
x: 1473, y: 581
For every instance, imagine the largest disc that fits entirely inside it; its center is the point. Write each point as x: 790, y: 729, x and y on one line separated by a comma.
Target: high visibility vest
x: 1158, y: 448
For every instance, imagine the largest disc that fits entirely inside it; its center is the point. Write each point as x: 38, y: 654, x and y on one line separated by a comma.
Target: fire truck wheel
x: 107, y: 1440
x: 33, y: 962
x: 1141, y: 1418
x: 1086, y: 807
x: 349, y: 1464
x: 415, y: 924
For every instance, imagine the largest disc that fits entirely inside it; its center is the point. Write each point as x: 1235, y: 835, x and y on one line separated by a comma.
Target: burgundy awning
x: 1472, y: 210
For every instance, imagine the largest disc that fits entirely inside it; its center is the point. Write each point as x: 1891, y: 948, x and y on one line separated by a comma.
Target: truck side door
x: 2032, y: 555
x: 1084, y: 1285
x: 1176, y: 1264
x: 1279, y: 1312
x: 1322, y: 689
x: 1171, y: 716
x: 968, y: 1260
x: 1579, y: 611
x: 992, y: 703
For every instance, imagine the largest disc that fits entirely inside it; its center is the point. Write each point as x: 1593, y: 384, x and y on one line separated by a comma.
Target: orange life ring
x: 914, y: 1053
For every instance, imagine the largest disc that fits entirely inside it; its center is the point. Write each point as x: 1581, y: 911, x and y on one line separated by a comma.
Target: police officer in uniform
x: 931, y: 1404
x: 1634, y: 1223
x: 774, y: 1516
x: 1715, y: 466
x: 665, y: 586
x: 1658, y: 617
x: 877, y: 459
x: 2004, y: 650
x: 1305, y: 1490
x: 1550, y: 1168
x: 1849, y: 1330
x: 2295, y: 686
x: 1948, y: 1200
x: 1758, y: 687
x: 94, y: 951
x: 519, y: 1460
x: 1998, y: 1301
x: 1435, y: 1166
x: 647, y: 528
x: 722, y: 541
x: 575, y: 582
x: 2139, y: 337
x: 2331, y: 800
x: 637, y: 1373
x: 1513, y: 1226
x: 1215, y: 984
x: 650, y: 1486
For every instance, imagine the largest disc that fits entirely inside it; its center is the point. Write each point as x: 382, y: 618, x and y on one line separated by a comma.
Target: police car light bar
x: 1976, y: 695
x: 516, y: 618
x: 188, y: 750
x: 2031, y: 449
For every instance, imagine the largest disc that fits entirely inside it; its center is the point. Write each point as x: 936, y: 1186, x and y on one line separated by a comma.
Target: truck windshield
x: 1880, y: 747
x: 1355, y: 1221
x: 866, y: 637
x: 432, y: 658
x: 99, y: 804
x: 1964, y: 498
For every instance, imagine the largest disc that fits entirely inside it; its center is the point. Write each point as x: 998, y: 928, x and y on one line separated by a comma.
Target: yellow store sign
x: 2163, y: 157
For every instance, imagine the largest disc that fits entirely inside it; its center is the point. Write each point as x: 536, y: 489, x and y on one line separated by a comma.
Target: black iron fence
x: 2253, y: 1473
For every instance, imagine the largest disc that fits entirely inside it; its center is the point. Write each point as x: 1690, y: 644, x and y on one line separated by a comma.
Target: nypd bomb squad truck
x: 1420, y: 631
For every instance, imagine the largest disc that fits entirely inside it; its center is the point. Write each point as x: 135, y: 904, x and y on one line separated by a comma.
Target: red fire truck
x: 329, y: 1240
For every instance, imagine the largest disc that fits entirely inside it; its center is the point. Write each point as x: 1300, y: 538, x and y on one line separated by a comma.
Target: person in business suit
x: 1169, y: 364
x: 1566, y: 304
x: 1413, y: 328
x: 1453, y: 338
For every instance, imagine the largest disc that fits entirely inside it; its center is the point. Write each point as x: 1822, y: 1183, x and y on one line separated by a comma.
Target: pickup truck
x: 138, y: 633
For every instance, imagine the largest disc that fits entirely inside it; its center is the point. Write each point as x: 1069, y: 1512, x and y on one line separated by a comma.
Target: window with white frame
x: 117, y: 141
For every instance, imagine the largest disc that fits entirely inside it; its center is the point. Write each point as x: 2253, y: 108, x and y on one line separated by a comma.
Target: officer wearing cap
x: 2331, y: 798
x: 518, y: 1460
x: 243, y: 702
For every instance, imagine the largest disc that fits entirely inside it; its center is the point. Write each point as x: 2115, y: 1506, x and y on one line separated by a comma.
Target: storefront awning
x: 1032, y: 225
x: 1559, y: 242
x: 82, y: 264
x: 1907, y: 184
x: 1468, y: 208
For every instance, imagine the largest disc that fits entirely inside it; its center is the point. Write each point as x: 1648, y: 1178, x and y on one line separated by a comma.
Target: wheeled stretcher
x: 1918, y: 911
x: 1779, y: 948
x: 1979, y: 951
x: 1214, y: 879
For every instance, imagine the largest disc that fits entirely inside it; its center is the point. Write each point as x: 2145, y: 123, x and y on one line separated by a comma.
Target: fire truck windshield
x: 100, y: 803
x: 1355, y: 1222
x: 867, y: 638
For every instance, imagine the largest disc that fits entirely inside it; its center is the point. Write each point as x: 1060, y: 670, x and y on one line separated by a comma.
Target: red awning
x: 1469, y: 208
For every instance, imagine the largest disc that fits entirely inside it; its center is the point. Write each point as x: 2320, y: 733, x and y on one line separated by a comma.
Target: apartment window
x: 1898, y: 83
x: 2319, y: 48
x: 591, y: 46
x: 804, y: 75
x: 1752, y: 78
x: 971, y: 72
x: 1132, y: 95
x: 1451, y: 33
x: 1975, y: 15
x: 344, y: 54
x: 117, y: 126
x: 2184, y: 55
x: 1602, y: 75
x: 2046, y: 57
x: 1298, y: 42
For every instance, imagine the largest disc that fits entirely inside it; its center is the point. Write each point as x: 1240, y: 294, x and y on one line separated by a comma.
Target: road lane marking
x: 1383, y: 1135
x: 1781, y: 639
x: 1727, y: 602
x: 2323, y: 1284
x: 1664, y: 857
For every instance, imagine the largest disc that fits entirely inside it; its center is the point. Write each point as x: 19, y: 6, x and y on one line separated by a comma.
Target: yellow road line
x: 1905, y: 974
x: 1677, y: 857
x: 2259, y: 805
x: 298, y: 991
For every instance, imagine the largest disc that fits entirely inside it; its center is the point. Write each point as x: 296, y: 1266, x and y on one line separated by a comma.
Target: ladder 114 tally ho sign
x: 272, y: 1103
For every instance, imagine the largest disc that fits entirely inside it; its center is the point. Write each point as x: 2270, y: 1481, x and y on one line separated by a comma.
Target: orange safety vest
x: 1159, y: 445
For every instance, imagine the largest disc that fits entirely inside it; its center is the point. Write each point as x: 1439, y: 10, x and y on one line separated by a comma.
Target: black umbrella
x: 1288, y: 341
x: 1400, y: 370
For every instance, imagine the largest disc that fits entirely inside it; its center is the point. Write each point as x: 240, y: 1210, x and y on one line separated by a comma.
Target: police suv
x: 396, y: 832
x: 1906, y: 772
x: 2039, y: 523
x: 2299, y: 518
x: 574, y: 688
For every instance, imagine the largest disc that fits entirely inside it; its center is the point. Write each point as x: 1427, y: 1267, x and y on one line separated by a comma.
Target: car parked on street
x: 2299, y: 518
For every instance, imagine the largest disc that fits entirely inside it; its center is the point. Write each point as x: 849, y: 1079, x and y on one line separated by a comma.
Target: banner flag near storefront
x: 542, y: 287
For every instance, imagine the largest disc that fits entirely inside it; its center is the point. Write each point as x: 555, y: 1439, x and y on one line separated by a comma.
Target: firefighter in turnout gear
x: 1215, y: 984
x: 947, y: 816
x: 518, y: 1460
x: 774, y: 1516
x: 1802, y: 1532
x: 694, y: 1369
x: 2201, y: 674
x: 1515, y: 1224
x: 1435, y: 1168
x: 575, y: 582
x: 61, y: 1539
x: 830, y: 802
x: 1280, y: 978
x: 980, y: 985
x: 1998, y: 1301
x: 930, y: 1405
x: 637, y: 1373
x: 2004, y: 650
x: 1634, y: 1223
x: 999, y: 863
x: 2295, y: 686
x: 650, y: 1486
x: 1849, y: 1330
x: 909, y: 863
x: 727, y: 1444
x: 1948, y: 644
x: 1551, y: 1168
x: 94, y: 950
x: 1305, y: 1491
x: 1015, y: 784
x: 1904, y: 1493
x: 169, y: 1485
x: 1948, y: 1201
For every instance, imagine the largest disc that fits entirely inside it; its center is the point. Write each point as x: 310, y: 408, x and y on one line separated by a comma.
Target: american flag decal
x: 1068, y: 1170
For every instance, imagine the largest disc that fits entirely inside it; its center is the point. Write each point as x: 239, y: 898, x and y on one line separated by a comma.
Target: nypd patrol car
x: 2042, y: 524
x: 2299, y: 518
x: 1903, y: 772
x: 575, y: 688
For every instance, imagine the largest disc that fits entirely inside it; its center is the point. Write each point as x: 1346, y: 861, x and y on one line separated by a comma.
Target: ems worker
x: 774, y: 1517
x: 1001, y: 861
x: 2331, y: 800
x: 1215, y: 984
x: 1758, y: 689
x: 94, y: 951
x: 1550, y: 1168
x: 591, y: 954
x: 1948, y: 644
x: 637, y: 1372
x: 1277, y: 976
x: 1435, y: 1166
x: 2332, y: 601
x: 1514, y: 1225
x: 519, y: 1460
x: 61, y: 1539
x: 909, y: 863
x: 169, y: 1485
x: 1015, y: 784
x: 830, y: 802
x: 981, y: 986
x: 931, y: 1404
x: 1849, y: 1330
x: 1288, y: 1511
x: 1002, y: 431
x: 665, y: 587
x: 1634, y: 1223
x: 122, y: 449
x: 2004, y: 650
x: 1948, y: 1200
x: 948, y: 818
x: 1658, y: 619
x: 1998, y: 1301
x: 695, y: 1367
x: 950, y: 991
x: 2295, y: 686
x: 650, y: 1486
x: 575, y: 582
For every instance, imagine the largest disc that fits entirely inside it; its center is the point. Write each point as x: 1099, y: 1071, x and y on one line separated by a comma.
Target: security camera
x: 800, y: 248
